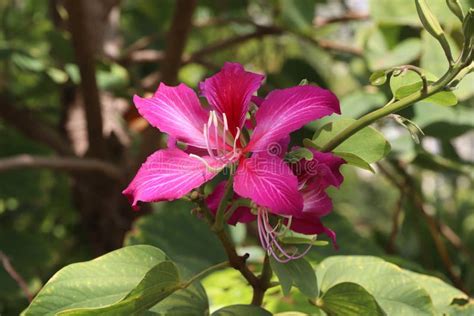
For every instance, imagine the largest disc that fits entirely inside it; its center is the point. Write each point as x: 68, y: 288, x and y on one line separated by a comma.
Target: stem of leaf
x: 205, y: 272
x: 228, y: 193
x: 235, y: 205
x: 265, y: 278
x: 396, y: 106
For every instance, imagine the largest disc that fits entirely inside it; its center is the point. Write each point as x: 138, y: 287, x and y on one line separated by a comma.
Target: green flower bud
x: 431, y: 24
x: 468, y: 25
x: 456, y: 8
x: 468, y: 30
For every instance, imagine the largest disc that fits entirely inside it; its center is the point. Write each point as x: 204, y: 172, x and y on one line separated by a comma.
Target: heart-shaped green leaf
x: 349, y: 299
x: 395, y: 291
x: 160, y: 282
x: 298, y: 273
x: 120, y: 277
x: 239, y: 310
x: 368, y: 144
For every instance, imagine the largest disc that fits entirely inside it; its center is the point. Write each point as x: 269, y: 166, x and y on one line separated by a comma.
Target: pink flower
x: 216, y: 140
x: 314, y: 177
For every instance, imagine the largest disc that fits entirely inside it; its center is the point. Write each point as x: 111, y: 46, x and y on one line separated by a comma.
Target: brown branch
x: 348, y: 17
x: 395, y: 223
x: 227, y: 43
x: 176, y: 40
x: 28, y: 123
x: 259, y: 285
x: 15, y: 276
x: 70, y: 164
x: 85, y: 57
x: 409, y: 187
x: 198, y: 56
x: 145, y: 56
x: 175, y: 43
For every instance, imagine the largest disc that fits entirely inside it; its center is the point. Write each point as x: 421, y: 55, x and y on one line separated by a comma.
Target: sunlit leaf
x: 298, y: 273
x: 349, y: 299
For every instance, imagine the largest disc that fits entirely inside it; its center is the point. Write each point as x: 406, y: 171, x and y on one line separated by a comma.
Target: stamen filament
x: 206, y: 138
x: 269, y: 238
x: 208, y: 166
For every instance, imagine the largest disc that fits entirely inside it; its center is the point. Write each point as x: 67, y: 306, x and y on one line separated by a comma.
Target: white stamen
x: 209, y: 121
x: 224, y: 132
x: 269, y: 238
x: 206, y: 138
x: 208, y: 166
x: 226, y: 126
x: 235, y: 140
x: 216, y: 131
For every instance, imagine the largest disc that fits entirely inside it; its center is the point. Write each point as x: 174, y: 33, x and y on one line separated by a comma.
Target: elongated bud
x: 468, y: 31
x: 468, y: 25
x: 456, y: 8
x: 431, y: 24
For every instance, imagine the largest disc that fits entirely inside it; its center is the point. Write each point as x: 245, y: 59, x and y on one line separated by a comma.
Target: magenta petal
x: 257, y: 100
x: 176, y: 111
x: 312, y: 225
x: 270, y: 183
x: 230, y: 90
x: 287, y: 110
x: 215, y: 197
x: 168, y: 174
x: 316, y: 200
x: 330, y: 165
x: 323, y: 168
x: 240, y: 215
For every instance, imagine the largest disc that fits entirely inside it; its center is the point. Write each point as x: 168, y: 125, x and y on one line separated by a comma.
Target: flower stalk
x: 394, y: 107
x: 205, y: 272
x: 220, y: 214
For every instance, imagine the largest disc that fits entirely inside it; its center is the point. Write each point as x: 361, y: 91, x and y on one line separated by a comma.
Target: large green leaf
x: 349, y: 299
x: 239, y: 310
x: 298, y: 273
x: 185, y: 238
x: 410, y: 82
x: 434, y: 59
x: 465, y: 310
x: 354, y: 160
x: 361, y: 102
x: 112, y: 278
x: 191, y: 301
x: 404, y: 53
x: 441, y: 293
x: 403, y: 12
x: 298, y: 14
x: 395, y: 291
x: 368, y: 144
x: 160, y: 282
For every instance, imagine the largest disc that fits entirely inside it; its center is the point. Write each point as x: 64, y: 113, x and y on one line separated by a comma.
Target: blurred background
x: 71, y: 139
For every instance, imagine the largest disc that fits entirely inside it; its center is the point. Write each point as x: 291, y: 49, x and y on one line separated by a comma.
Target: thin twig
x: 237, y: 262
x: 395, y: 223
x: 410, y: 189
x: 28, y: 123
x: 70, y: 164
x: 232, y: 41
x: 348, y: 17
x: 261, y: 31
x: 15, y: 276
x: 205, y: 272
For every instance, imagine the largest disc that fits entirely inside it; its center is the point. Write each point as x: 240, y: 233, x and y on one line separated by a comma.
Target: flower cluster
x: 251, y: 133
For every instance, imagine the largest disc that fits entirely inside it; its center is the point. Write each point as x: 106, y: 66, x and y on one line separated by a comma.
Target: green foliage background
x: 41, y: 228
